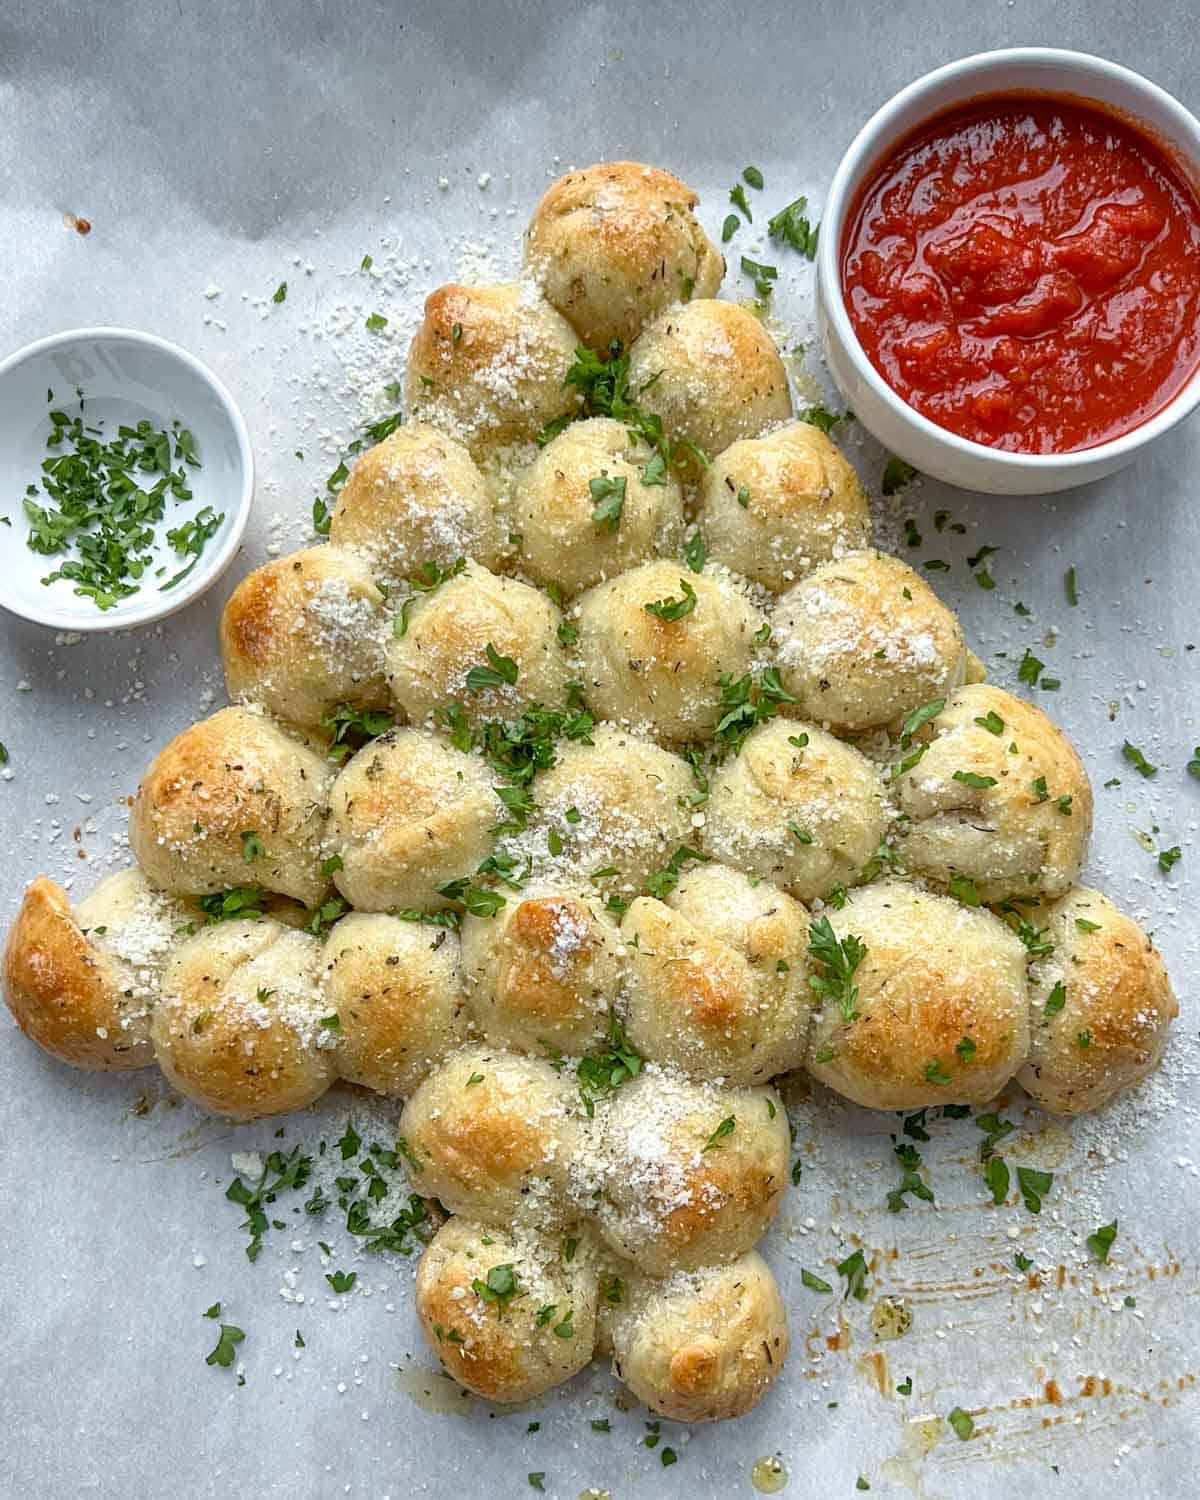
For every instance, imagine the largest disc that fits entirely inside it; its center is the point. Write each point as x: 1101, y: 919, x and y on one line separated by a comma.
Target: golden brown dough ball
x: 690, y: 1174
x: 863, y: 641
x: 798, y: 807
x: 508, y: 1314
x: 774, y: 507
x: 487, y: 366
x: 1101, y: 1005
x: 408, y: 813
x: 663, y: 674
x: 998, y: 798
x: 712, y: 372
x: 594, y: 466
x: 705, y: 1345
x: 82, y: 982
x: 238, y: 1028
x: 544, y: 972
x: 414, y: 499
x: 718, y: 983
x: 234, y: 800
x: 613, y: 245
x: 396, y: 988
x: 942, y: 1010
x: 618, y: 803
x: 304, y: 633
x: 447, y: 635
x: 495, y: 1135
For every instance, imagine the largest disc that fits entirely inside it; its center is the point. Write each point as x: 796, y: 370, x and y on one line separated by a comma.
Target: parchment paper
x: 222, y: 148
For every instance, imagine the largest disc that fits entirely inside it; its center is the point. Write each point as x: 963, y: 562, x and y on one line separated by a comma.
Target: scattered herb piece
x: 1101, y: 1241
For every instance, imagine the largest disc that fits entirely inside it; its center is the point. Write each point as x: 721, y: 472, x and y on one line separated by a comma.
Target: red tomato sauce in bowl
x: 1025, y: 272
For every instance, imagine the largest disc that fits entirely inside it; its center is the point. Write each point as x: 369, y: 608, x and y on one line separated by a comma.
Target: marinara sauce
x: 1026, y: 272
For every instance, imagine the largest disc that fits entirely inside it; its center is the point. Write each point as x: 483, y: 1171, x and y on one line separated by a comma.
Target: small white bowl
x: 125, y: 376
x: 929, y: 448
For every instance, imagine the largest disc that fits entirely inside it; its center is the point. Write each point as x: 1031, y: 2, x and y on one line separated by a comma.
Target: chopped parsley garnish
x: 1071, y: 585
x: 479, y: 901
x: 724, y: 1129
x: 226, y: 1351
x: 896, y: 475
x: 962, y: 1423
x: 763, y: 276
x: 935, y: 1073
x: 279, y: 1174
x: 1138, y: 761
x: 745, y: 704
x: 840, y: 958
x: 280, y: 292
x: 965, y: 1049
x: 1169, y: 858
x: 695, y: 554
x: 500, y: 1288
x: 729, y: 227
x: 252, y: 846
x: 911, y: 1180
x: 376, y: 322
x: 737, y: 196
x: 341, y: 1281
x: 1083, y: 925
x: 821, y: 417
x: 1034, y: 1185
x: 995, y: 1174
x: 609, y: 497
x: 606, y: 1071
x: 671, y: 609
x: 500, y: 672
x: 974, y: 780
x: 991, y: 721
x: 229, y: 905
x: 351, y: 728
x: 854, y: 1270
x: 964, y: 890
x: 664, y: 881
x: 102, y: 515
x: 791, y: 226
x: 753, y: 176
x: 1022, y: 1261
x: 1055, y: 1000
x: 1030, y: 669
x: 905, y: 1386
x: 1101, y: 1241
x: 813, y: 1282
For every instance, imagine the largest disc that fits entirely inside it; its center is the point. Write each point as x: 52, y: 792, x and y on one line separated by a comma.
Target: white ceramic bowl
x: 125, y: 376
x: 903, y: 431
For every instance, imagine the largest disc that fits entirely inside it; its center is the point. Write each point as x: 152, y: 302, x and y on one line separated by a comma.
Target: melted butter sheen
x: 769, y: 1476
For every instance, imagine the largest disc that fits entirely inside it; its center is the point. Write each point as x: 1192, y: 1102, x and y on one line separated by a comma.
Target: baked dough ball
x: 495, y: 1135
x: 81, y: 983
x: 544, y: 972
x: 706, y: 1344
x: 541, y: 1333
x: 774, y: 507
x: 554, y: 506
x: 680, y: 1187
x: 408, y: 813
x: 487, y: 366
x: 798, y: 807
x: 304, y: 633
x: 238, y: 1028
x: 413, y: 499
x: 396, y: 988
x: 999, y: 797
x: 942, y: 1011
x: 615, y: 244
x: 718, y: 983
x: 863, y: 641
x: 712, y: 372
x: 1102, y: 1004
x: 641, y: 669
x: 233, y: 800
x: 617, y: 803
x: 448, y: 633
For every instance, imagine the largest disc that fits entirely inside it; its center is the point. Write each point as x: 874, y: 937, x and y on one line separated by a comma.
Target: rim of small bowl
x: 209, y: 568
x: 881, y: 133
